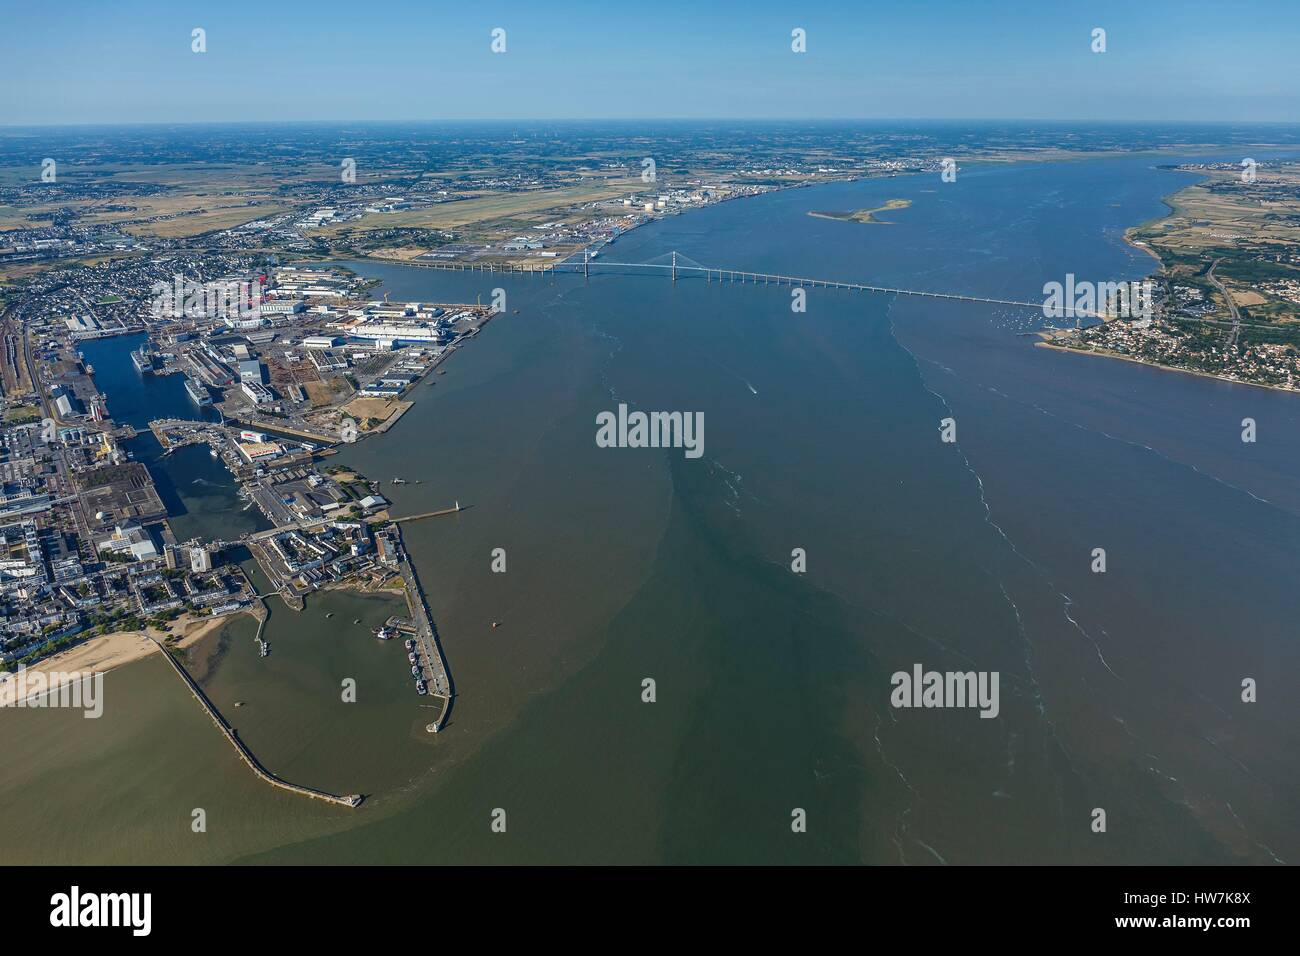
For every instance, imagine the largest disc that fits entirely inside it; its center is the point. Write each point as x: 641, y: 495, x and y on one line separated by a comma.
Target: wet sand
x: 99, y: 655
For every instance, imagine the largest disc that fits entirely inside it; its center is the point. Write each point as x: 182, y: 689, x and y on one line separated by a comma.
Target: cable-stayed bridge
x: 675, y: 265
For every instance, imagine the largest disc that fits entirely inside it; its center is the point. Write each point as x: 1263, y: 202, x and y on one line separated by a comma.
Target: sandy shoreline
x: 1136, y: 244
x: 865, y: 216
x: 1103, y: 353
x: 99, y: 655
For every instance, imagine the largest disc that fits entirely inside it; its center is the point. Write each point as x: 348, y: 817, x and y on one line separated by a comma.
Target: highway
x: 1232, y: 306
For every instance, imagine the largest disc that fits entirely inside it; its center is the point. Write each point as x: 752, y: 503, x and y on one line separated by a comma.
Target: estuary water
x: 1119, y: 691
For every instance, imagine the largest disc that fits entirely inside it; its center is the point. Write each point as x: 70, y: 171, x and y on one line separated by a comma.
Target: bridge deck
x: 722, y: 275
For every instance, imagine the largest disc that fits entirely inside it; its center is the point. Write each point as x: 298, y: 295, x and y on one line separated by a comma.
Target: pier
x: 309, y: 524
x: 425, y: 514
x: 435, y: 672
x: 351, y: 800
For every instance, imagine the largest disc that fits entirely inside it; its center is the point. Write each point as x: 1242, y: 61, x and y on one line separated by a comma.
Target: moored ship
x: 198, y: 392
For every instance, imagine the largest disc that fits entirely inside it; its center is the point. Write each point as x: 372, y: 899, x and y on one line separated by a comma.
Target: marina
x: 428, y: 667
x: 630, y: 564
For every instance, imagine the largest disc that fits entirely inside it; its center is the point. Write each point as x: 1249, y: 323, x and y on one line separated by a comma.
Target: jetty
x: 425, y: 514
x: 351, y: 800
x: 434, y: 667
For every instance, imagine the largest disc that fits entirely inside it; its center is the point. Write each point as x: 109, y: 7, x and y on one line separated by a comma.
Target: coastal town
x: 271, y: 358
x: 1227, y: 288
x: 283, y: 357
x: 356, y: 508
x: 1187, y: 347
x: 254, y: 305
x: 281, y: 366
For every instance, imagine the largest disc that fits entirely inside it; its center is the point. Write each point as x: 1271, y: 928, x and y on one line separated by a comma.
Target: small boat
x: 411, y: 657
x: 415, y: 671
x: 410, y: 645
x: 213, y: 453
x: 239, y: 703
x: 357, y: 621
x: 399, y: 481
x: 420, y: 688
x: 496, y: 624
x: 330, y: 614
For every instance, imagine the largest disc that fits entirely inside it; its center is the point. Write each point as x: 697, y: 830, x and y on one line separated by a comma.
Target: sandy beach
x: 1104, y: 353
x: 1142, y: 246
x: 99, y: 655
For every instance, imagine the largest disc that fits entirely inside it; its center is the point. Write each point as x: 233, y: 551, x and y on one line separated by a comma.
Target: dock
x: 351, y: 800
x: 435, y: 671
x: 279, y: 428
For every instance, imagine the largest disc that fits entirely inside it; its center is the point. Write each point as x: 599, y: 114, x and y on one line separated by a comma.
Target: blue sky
x: 130, y: 60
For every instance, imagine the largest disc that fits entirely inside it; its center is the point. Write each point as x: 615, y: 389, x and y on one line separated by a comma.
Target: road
x: 1232, y: 306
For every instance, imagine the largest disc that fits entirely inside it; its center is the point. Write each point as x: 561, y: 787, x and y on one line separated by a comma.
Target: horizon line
x: 652, y: 119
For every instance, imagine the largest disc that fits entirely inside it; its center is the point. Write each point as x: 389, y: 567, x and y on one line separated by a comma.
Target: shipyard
x: 354, y: 366
x: 275, y: 378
